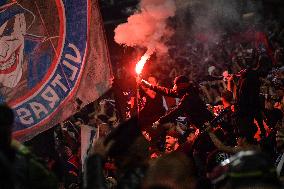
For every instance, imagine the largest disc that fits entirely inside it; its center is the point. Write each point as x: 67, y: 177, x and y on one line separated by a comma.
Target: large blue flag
x: 52, y: 52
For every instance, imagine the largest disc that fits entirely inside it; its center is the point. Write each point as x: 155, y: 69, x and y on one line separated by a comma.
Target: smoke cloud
x: 211, y: 17
x: 148, y: 28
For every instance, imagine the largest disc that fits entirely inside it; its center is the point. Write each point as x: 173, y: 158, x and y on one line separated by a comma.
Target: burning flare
x: 142, y: 62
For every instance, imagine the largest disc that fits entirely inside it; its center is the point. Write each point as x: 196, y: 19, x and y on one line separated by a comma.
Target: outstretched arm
x: 162, y: 90
x: 148, y: 92
x: 221, y: 146
x: 218, y: 143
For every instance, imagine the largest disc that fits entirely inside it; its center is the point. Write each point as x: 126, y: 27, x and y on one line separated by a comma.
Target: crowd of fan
x: 220, y: 157
x: 203, y: 57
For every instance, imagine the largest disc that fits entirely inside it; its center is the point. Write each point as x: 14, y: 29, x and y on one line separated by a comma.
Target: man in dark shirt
x: 190, y: 105
x: 248, y: 103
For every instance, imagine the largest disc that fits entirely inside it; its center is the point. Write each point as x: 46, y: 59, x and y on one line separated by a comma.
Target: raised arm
x: 148, y: 92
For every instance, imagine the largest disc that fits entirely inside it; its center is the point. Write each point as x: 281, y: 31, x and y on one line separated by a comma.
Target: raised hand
x: 155, y: 125
x: 138, y: 80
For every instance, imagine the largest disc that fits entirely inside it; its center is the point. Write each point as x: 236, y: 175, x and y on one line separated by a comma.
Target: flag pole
x: 137, y: 96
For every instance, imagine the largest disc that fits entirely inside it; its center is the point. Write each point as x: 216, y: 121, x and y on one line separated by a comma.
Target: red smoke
x: 147, y: 28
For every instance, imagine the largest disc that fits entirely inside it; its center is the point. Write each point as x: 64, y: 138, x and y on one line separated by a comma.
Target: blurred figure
x: 6, y: 176
x: 25, y: 168
x: 173, y: 170
x: 244, y: 141
x: 7, y: 153
x: 129, y: 149
x: 246, y: 169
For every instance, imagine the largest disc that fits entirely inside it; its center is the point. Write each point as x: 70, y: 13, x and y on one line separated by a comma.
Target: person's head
x: 138, y: 153
x: 13, y: 27
x: 173, y: 170
x: 183, y: 85
x: 152, y: 80
x: 180, y: 82
x: 250, y: 58
x: 171, y: 140
x: 6, y: 123
x: 130, y: 146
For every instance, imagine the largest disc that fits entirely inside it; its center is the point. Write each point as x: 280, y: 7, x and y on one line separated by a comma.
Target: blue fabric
x: 39, y: 60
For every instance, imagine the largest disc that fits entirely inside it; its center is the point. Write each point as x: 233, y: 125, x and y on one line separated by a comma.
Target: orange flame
x: 141, y: 63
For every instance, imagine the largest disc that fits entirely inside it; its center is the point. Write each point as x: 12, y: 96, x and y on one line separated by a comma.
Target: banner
x: 53, y: 54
